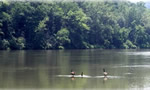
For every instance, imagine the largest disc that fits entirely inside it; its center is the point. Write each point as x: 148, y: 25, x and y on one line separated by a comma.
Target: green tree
x: 63, y: 38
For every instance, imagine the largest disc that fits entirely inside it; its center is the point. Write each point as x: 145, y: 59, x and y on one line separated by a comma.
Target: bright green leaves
x: 42, y: 24
x: 63, y: 38
x: 17, y: 43
x: 78, y: 18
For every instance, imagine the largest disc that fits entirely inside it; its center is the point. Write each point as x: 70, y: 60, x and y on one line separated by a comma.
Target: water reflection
x: 51, y: 69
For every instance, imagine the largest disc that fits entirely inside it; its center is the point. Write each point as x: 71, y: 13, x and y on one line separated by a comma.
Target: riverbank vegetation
x: 74, y: 25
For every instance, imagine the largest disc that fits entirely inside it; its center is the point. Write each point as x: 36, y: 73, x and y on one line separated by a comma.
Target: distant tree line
x: 74, y: 25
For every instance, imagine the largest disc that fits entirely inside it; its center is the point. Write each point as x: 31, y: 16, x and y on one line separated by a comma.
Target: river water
x: 50, y: 69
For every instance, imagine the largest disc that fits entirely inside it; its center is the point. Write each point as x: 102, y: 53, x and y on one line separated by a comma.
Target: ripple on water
x: 128, y: 73
x: 133, y: 66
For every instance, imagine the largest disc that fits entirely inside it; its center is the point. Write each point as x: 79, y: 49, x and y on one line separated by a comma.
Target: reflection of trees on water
x: 39, y: 69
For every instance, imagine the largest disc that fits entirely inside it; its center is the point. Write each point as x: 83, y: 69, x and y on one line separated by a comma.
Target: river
x: 50, y: 69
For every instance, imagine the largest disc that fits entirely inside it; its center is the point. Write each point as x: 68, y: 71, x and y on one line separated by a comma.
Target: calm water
x: 128, y: 69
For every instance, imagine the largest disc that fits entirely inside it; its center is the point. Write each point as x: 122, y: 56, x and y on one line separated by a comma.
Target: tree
x: 63, y: 38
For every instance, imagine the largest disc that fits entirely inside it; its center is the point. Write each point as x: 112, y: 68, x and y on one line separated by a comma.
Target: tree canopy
x: 74, y: 25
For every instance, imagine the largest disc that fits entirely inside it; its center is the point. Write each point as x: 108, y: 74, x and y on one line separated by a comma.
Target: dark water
x: 128, y: 69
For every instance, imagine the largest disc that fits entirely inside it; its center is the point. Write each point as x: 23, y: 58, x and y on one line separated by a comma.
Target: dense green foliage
x: 74, y: 25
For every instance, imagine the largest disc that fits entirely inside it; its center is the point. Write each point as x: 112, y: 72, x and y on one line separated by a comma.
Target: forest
x: 74, y: 25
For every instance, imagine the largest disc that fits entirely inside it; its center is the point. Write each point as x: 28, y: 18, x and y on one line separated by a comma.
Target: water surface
x: 39, y: 69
